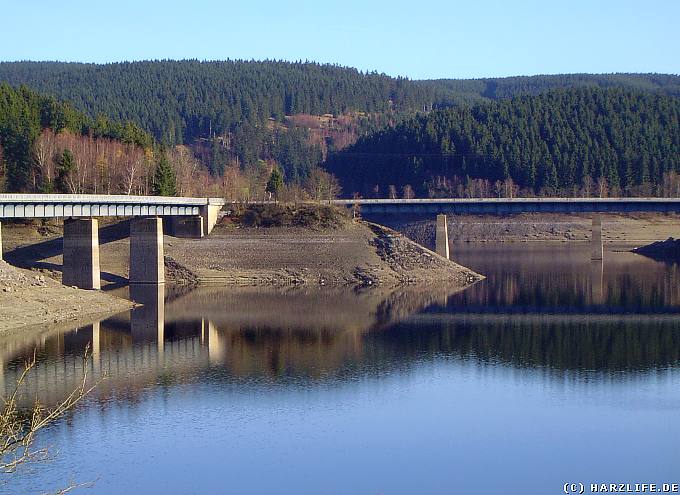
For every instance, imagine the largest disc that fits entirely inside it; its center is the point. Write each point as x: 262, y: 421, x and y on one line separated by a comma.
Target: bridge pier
x: 146, y: 251
x: 0, y: 242
x: 596, y: 239
x: 81, y: 253
x: 210, y: 215
x: 442, y: 237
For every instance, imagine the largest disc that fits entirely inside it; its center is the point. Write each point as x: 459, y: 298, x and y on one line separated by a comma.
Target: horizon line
x: 334, y: 64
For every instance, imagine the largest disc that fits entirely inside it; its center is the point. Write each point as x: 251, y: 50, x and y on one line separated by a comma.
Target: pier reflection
x: 147, y: 323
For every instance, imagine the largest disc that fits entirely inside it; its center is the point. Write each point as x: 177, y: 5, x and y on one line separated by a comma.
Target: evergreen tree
x: 164, y: 179
x: 65, y: 165
x: 275, y: 183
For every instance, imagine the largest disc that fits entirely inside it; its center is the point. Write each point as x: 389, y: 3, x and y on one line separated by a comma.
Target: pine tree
x: 275, y: 182
x: 164, y: 179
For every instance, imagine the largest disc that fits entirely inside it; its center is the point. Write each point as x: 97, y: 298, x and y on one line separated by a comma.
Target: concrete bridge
x: 188, y: 217
x: 500, y: 206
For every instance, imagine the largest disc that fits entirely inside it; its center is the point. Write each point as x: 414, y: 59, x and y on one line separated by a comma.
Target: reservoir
x: 552, y: 370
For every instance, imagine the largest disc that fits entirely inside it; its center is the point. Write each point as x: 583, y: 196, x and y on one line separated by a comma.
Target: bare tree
x: 322, y: 186
x: 602, y: 187
x: 510, y: 189
x: 18, y: 429
x: 43, y: 153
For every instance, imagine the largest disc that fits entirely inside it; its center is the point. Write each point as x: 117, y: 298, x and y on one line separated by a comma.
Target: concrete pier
x: 0, y: 242
x: 210, y: 214
x: 146, y: 251
x: 442, y: 237
x: 81, y: 253
x: 596, y: 239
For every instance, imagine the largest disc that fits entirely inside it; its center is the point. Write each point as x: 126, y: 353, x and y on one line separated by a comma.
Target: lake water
x: 552, y: 370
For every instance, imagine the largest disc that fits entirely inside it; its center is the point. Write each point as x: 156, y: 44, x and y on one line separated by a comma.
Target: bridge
x: 188, y: 217
x: 502, y: 206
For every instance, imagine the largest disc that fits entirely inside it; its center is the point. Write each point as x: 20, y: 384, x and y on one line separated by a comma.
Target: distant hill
x: 178, y: 101
x: 449, y: 92
x: 243, y: 113
x: 565, y: 141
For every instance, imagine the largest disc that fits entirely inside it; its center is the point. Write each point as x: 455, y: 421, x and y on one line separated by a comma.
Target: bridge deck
x: 514, y: 205
x: 92, y: 205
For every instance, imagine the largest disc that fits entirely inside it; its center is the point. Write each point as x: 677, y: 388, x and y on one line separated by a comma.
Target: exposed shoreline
x: 354, y: 255
x: 30, y: 299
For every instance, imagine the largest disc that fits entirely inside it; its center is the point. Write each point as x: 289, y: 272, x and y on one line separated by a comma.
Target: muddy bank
x: 634, y: 229
x: 30, y: 298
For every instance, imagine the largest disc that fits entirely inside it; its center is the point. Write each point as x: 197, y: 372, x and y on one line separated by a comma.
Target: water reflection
x: 550, y: 350
x: 249, y: 332
x: 549, y: 278
x: 541, y: 309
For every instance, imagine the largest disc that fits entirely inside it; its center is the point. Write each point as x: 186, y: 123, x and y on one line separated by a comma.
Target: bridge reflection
x: 213, y: 334
x: 248, y: 332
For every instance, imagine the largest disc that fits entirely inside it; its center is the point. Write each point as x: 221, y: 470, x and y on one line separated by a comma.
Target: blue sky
x: 418, y: 39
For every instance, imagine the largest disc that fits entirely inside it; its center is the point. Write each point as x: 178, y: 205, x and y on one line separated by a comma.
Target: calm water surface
x: 552, y: 370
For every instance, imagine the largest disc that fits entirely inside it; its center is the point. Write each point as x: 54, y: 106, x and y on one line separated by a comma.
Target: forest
x: 579, y: 141
x: 25, y: 115
x: 226, y: 126
x: 47, y: 146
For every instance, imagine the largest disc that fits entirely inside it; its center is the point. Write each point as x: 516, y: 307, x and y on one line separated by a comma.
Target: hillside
x: 179, y: 101
x: 242, y: 119
x: 562, y: 142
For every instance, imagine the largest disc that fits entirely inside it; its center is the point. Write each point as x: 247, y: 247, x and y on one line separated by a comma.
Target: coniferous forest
x: 178, y: 101
x: 570, y: 142
x: 226, y: 126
